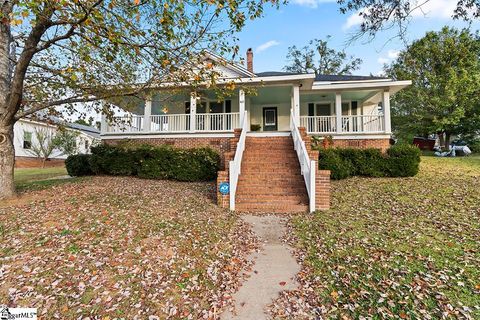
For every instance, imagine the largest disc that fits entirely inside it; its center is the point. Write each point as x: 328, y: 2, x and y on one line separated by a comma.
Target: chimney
x: 250, y: 60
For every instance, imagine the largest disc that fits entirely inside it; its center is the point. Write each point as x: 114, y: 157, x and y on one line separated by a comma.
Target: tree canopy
x: 62, y: 52
x: 444, y: 96
x: 317, y: 57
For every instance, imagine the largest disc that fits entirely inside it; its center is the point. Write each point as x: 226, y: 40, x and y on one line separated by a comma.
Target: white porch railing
x: 170, y: 123
x: 323, y: 124
x: 236, y: 164
x: 131, y: 123
x: 350, y: 124
x: 308, y: 166
x: 358, y: 124
x: 217, y: 121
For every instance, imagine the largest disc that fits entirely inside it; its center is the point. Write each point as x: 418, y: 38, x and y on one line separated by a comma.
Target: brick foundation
x: 32, y: 162
x: 322, y: 177
x: 382, y: 144
x: 222, y: 145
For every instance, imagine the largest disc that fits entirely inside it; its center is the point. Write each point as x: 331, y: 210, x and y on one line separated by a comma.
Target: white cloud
x: 382, y: 60
x: 391, y: 55
x: 266, y: 45
x: 440, y: 9
x: 310, y: 3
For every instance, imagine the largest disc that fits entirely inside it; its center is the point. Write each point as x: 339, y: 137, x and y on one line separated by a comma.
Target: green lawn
x: 39, y: 178
x: 393, y: 248
x: 35, y: 174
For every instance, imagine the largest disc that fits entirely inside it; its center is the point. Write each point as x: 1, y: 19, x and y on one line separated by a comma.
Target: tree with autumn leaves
x: 64, y: 52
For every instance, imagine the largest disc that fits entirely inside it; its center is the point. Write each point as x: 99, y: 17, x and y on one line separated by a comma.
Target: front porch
x: 343, y: 113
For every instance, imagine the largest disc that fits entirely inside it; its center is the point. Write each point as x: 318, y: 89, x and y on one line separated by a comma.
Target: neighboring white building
x: 25, y: 137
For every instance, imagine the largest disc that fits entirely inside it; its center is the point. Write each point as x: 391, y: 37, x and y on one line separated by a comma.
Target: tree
x: 318, y: 58
x: 43, y: 145
x: 62, y: 53
x: 66, y: 141
x: 387, y: 14
x: 444, y: 97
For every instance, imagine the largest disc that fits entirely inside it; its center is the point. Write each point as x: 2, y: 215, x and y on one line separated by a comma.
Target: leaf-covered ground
x: 392, y: 248
x: 112, y: 247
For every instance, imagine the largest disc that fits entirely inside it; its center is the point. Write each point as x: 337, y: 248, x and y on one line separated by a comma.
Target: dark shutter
x: 187, y: 107
x: 228, y: 106
x: 354, y: 107
x: 311, y: 109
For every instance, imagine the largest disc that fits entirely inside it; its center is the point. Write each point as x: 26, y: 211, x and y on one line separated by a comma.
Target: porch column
x: 241, y: 105
x: 147, y: 127
x: 296, y: 103
x: 338, y: 111
x: 386, y: 111
x: 193, y: 111
x: 103, y: 123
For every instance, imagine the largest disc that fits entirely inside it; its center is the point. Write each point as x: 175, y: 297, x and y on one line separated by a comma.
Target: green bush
x: 399, y: 161
x: 163, y: 162
x: 78, y: 165
x: 403, y: 160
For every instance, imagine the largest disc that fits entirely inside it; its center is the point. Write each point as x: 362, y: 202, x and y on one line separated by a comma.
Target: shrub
x: 403, y: 160
x: 78, y: 165
x: 399, y: 161
x: 112, y: 160
x: 163, y: 162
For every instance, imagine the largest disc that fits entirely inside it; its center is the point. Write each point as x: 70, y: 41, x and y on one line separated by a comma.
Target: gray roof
x: 321, y: 77
x: 86, y: 129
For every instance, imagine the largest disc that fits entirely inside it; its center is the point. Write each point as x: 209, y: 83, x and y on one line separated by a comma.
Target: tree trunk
x: 7, y: 161
x: 7, y: 151
x: 441, y: 139
x: 447, y: 140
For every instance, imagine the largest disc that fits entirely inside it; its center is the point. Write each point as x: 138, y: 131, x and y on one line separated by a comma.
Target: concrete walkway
x: 274, y: 270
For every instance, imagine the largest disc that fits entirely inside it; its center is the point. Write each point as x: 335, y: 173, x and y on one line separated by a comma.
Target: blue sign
x: 224, y: 188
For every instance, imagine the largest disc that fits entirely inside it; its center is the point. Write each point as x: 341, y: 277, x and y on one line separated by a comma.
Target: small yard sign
x: 224, y: 188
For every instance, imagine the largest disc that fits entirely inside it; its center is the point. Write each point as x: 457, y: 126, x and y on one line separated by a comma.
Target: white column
x: 296, y: 103
x: 193, y: 111
x: 103, y: 123
x: 147, y: 120
x: 338, y: 111
x: 386, y: 111
x: 241, y: 105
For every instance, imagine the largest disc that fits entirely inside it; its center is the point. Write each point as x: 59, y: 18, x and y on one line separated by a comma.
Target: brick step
x: 271, y: 198
x: 270, y: 170
x: 270, y: 208
x: 268, y: 175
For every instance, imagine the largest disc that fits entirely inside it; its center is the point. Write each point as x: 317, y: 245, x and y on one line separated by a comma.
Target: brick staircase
x: 270, y: 179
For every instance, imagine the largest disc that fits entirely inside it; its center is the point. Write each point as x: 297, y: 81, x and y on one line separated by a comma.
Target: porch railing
x: 170, y: 123
x: 217, y: 121
x: 358, y: 124
x: 308, y: 166
x: 323, y: 124
x: 350, y: 124
x: 236, y: 164
x: 122, y: 124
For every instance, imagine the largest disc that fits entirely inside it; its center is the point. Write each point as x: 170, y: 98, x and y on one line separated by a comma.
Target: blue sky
x: 302, y: 20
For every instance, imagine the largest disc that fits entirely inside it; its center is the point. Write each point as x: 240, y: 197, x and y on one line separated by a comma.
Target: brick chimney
x: 250, y: 60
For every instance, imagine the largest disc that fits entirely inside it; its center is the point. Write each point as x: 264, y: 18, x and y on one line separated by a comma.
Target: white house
x: 268, y: 127
x: 25, y: 137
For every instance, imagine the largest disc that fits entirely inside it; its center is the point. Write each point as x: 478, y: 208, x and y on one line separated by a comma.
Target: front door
x: 270, y: 120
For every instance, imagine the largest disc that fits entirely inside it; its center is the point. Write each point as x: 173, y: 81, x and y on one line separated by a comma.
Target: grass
x: 31, y: 179
x: 395, y: 248
x: 121, y: 247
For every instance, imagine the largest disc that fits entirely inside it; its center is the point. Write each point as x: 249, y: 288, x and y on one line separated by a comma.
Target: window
x: 216, y: 107
x: 27, y: 140
x: 87, y: 145
x: 345, y: 108
x: 323, y: 109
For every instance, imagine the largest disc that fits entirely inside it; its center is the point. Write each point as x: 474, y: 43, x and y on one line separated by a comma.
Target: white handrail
x: 235, y: 165
x: 308, y: 166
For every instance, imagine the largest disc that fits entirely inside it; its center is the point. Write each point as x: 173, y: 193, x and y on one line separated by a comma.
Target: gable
x: 227, y: 69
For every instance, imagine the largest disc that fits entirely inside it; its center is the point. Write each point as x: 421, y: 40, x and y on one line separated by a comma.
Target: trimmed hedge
x: 399, y: 161
x: 163, y: 162
x: 78, y: 165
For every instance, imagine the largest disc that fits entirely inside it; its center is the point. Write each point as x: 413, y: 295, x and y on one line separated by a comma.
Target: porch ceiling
x: 272, y: 95
x: 360, y: 95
